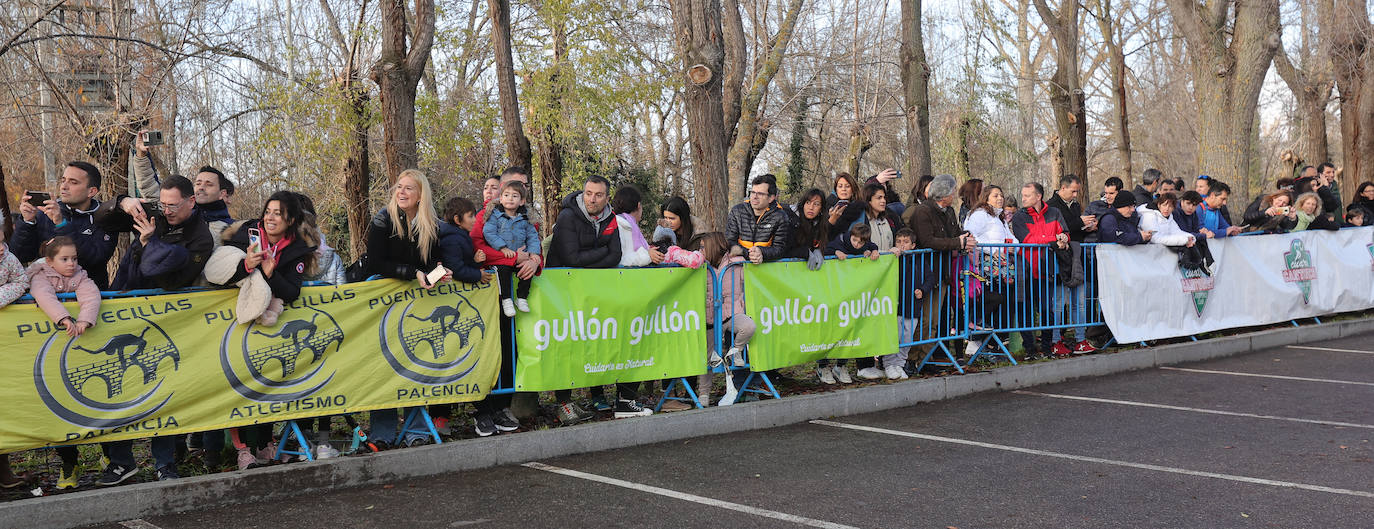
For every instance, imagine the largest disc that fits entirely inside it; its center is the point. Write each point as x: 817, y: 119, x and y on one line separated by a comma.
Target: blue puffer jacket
x: 502, y: 232
x: 93, y: 246
x: 458, y: 251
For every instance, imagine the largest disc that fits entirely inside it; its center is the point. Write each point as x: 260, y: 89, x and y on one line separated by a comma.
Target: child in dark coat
x: 853, y: 244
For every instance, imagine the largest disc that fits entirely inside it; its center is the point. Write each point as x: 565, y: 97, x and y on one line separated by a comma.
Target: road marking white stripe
x: 810, y: 522
x: 1334, y: 350
x: 1197, y: 410
x: 1143, y: 466
x: 138, y: 523
x: 1282, y: 377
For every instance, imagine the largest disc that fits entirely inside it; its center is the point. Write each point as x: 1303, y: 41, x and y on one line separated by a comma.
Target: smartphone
x: 152, y: 209
x: 151, y: 138
x: 255, y: 238
x: 38, y: 198
x: 435, y: 275
x: 842, y: 204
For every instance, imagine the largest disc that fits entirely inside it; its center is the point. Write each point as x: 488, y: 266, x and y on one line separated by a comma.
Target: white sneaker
x: 325, y: 451
x: 736, y: 357
x: 841, y: 374
x: 871, y: 373
x: 826, y: 375
x: 508, y: 308
x: 522, y: 305
x: 894, y: 373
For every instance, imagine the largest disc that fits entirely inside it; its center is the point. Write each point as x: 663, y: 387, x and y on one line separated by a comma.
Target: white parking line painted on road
x: 1281, y: 377
x: 138, y: 523
x: 1089, y: 459
x: 1332, y: 349
x: 802, y: 520
x: 1196, y: 410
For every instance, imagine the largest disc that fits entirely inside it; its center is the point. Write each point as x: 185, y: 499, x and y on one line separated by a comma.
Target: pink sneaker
x: 684, y: 257
x: 246, y: 460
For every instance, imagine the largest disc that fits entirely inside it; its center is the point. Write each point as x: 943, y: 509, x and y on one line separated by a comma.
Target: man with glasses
x: 212, y: 189
x: 758, y: 228
x: 171, y: 244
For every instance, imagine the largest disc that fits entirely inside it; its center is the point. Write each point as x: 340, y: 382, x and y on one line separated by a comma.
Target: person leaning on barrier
x: 403, y: 243
x: 1273, y: 214
x: 758, y: 228
x: 844, y: 191
x: 1213, y: 218
x: 1203, y: 186
x: 71, y: 215
x: 1260, y: 211
x: 169, y: 251
x: 1364, y: 196
x: 811, y: 232
x: 995, y: 266
x: 1158, y: 217
x: 1121, y: 226
x: 1310, y: 214
x: 1356, y: 216
x: 1074, y: 295
x: 1038, y: 223
x: 937, y: 228
x: 329, y: 266
x: 1103, y: 204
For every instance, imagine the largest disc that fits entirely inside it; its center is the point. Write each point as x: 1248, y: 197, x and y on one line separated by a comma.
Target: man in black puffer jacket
x: 758, y: 229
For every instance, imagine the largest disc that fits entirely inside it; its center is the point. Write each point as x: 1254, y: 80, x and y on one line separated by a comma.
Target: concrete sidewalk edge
x: 281, y: 482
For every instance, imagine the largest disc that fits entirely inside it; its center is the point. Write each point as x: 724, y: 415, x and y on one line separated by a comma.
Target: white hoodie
x: 1166, y: 230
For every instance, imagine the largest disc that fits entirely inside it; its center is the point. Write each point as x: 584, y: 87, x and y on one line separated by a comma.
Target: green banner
x: 179, y: 363
x: 590, y: 327
x: 847, y: 309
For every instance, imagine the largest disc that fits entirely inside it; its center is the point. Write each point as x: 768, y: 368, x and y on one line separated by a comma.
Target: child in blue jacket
x: 509, y: 230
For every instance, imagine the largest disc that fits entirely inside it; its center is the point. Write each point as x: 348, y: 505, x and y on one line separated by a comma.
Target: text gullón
x: 795, y: 312
x: 582, y: 326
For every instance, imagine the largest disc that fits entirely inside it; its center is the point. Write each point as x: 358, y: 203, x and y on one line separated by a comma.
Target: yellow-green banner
x: 179, y: 363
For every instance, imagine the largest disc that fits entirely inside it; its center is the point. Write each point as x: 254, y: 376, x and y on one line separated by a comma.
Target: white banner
x: 1257, y: 280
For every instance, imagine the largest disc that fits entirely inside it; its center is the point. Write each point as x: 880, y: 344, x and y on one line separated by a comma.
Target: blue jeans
x: 383, y: 424
x: 122, y: 452
x: 1076, y: 300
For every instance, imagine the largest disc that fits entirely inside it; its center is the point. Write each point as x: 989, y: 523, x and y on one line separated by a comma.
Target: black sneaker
x: 166, y: 473
x: 629, y: 408
x: 484, y: 425
x: 116, y: 474
x: 504, y: 423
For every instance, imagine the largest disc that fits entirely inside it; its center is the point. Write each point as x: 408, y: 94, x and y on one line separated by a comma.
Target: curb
x: 281, y: 481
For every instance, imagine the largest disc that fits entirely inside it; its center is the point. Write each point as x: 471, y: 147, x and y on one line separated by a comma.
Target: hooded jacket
x: 1120, y: 229
x: 1037, y: 226
x: 583, y: 240
x: 502, y: 231
x: 45, y: 284
x: 768, y: 232
x: 459, y: 253
x: 93, y: 246
x: 173, y: 258
x: 294, y: 262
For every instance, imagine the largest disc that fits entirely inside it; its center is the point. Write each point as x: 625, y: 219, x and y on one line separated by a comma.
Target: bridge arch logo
x: 430, y: 340
x: 283, y: 362
x: 108, y: 379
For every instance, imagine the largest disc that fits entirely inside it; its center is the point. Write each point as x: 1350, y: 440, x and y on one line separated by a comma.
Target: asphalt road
x: 1207, y: 445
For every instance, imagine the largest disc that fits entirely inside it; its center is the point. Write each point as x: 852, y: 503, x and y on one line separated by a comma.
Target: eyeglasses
x: 171, y: 208
x: 759, y: 194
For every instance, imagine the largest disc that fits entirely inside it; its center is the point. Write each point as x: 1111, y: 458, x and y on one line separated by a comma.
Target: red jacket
x: 494, y: 256
x: 1032, y: 226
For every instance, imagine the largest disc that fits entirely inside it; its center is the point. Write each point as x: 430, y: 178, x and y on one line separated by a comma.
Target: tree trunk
x: 915, y: 90
x: 549, y: 139
x: 1117, y: 59
x: 1229, y: 62
x: 1310, y: 80
x: 1065, y: 88
x: 1353, y: 60
x: 859, y: 143
x: 357, y: 177
x: 397, y: 75
x: 961, y: 161
x: 698, y: 28
x: 517, y: 144
x: 746, y: 144
x: 796, y: 158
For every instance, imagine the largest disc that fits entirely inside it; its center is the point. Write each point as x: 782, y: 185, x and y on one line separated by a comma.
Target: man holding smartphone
x: 70, y: 214
x: 212, y: 188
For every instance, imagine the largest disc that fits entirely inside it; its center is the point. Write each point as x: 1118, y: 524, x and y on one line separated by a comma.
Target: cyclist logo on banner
x: 284, y: 363
x: 1299, y: 269
x: 434, y: 336
x: 1198, y: 285
x: 108, y: 380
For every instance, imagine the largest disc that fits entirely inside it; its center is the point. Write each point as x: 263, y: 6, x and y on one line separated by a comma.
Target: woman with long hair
x: 995, y: 266
x: 845, y: 191
x: 969, y: 197
x: 403, y: 243
x: 812, y: 230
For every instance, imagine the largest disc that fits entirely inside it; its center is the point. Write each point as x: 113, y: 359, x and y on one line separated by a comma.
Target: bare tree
x: 1310, y: 78
x: 1066, y: 90
x: 1353, y: 58
x: 1111, y: 44
x: 699, y: 43
x: 748, y: 130
x: 915, y: 89
x: 517, y: 144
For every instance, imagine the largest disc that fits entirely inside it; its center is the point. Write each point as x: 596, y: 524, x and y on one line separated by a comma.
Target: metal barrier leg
x: 1001, y: 350
x: 691, y: 394
x: 757, y: 378
x: 948, y: 358
x: 290, y: 433
x: 423, y: 425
